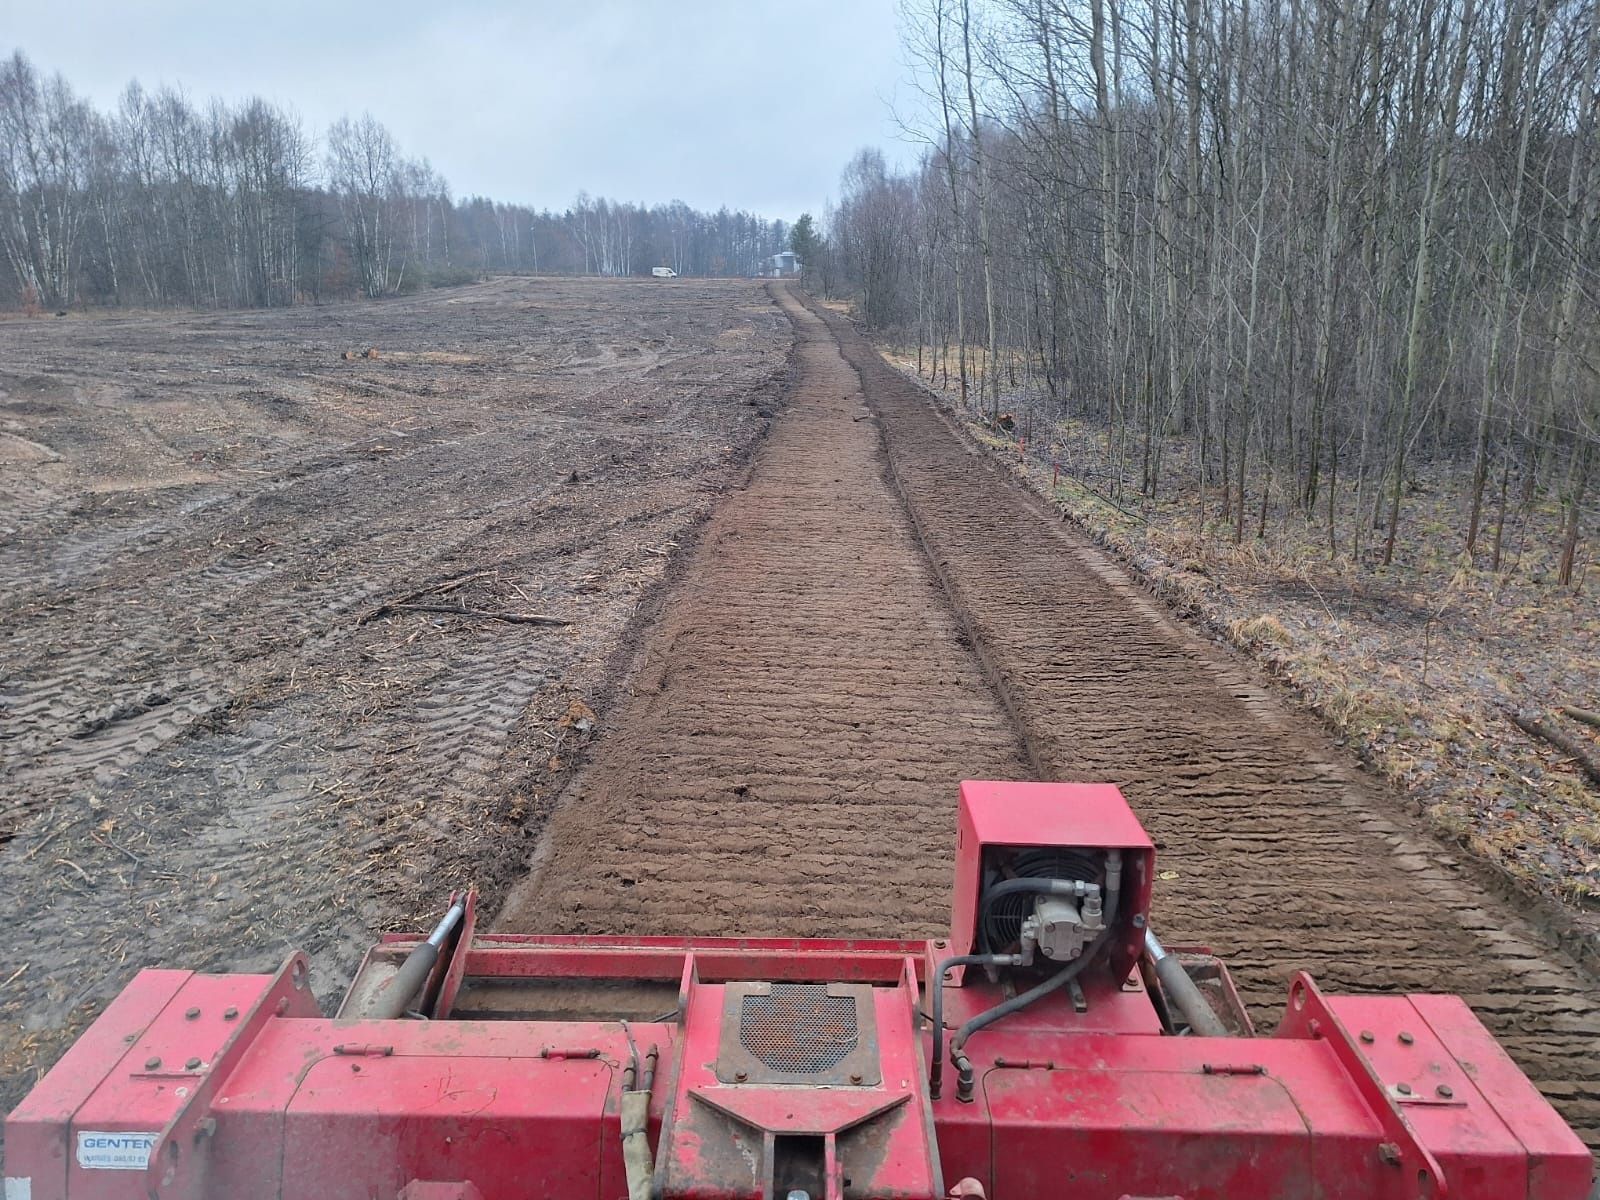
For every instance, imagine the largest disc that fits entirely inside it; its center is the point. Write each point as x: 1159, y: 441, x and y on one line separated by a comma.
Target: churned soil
x: 787, y: 760
x: 1274, y: 847
x: 883, y: 611
x: 217, y: 744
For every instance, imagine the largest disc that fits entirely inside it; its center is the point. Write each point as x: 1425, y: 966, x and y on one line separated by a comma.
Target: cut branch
x: 1568, y: 745
x: 1583, y: 716
x: 461, y: 610
x: 439, y: 587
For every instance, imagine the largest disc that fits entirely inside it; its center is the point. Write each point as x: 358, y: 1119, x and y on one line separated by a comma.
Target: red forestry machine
x: 1048, y: 1047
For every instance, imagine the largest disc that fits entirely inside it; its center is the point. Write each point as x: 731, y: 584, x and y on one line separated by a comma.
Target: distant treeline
x: 169, y: 202
x: 1319, y: 243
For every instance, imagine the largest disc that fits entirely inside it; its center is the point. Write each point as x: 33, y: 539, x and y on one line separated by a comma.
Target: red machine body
x: 778, y: 1068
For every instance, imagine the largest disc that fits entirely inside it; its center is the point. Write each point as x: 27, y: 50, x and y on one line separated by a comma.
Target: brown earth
x: 788, y: 759
x: 786, y: 763
x: 879, y: 611
x: 213, y: 750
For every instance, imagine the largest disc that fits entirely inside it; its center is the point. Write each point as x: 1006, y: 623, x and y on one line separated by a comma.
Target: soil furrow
x: 1277, y: 851
x: 788, y: 760
x: 849, y: 643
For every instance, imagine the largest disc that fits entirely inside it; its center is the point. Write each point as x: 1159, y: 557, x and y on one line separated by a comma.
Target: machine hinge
x: 1233, y: 1068
x: 363, y: 1050
x: 556, y: 1052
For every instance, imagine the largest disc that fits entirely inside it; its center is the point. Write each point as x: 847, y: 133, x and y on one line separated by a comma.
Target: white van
x: 663, y: 272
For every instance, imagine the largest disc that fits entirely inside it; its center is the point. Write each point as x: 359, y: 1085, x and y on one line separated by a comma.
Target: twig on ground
x: 114, y: 845
x: 67, y: 862
x: 50, y: 837
x: 432, y: 589
x: 460, y: 610
x: 1569, y: 746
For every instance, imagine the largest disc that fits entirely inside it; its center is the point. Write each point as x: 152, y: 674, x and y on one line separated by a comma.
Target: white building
x: 780, y: 265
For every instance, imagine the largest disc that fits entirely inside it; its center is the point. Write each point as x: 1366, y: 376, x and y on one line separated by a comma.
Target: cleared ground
x: 788, y: 761
x: 875, y: 612
x: 214, y: 746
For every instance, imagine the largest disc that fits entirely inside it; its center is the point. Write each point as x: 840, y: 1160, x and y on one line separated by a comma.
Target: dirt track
x: 787, y: 762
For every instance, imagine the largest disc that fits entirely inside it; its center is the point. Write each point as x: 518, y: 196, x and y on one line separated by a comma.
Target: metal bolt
x: 1445, y: 1091
x: 152, y: 1063
x: 1366, y: 1036
x: 1405, y: 1038
x: 1138, y: 920
x: 855, y: 1076
x: 1389, y: 1154
x: 191, y: 1014
x: 1403, y: 1088
x: 229, y: 1013
x: 192, y: 1065
x: 741, y: 1076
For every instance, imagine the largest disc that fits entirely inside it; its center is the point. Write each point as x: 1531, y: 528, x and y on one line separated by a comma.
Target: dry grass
x: 1415, y: 664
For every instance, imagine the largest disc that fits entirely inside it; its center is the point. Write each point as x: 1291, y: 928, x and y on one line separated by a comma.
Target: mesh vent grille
x: 798, y: 1029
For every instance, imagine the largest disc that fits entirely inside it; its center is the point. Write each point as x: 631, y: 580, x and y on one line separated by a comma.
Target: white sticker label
x: 115, y: 1151
x: 19, y: 1189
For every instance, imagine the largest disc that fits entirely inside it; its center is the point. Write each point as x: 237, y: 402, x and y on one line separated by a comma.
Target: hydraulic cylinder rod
x: 1181, y: 990
x: 392, y: 999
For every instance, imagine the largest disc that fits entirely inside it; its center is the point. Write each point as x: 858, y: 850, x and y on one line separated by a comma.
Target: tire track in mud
x: 787, y: 760
x: 212, y: 758
x: 1285, y: 855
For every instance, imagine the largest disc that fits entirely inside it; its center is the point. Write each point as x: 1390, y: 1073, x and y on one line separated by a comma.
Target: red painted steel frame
x: 1088, y: 816
x: 233, y: 1086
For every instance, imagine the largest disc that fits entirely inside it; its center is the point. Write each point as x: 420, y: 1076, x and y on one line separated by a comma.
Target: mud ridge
x: 786, y: 758
x: 1277, y: 849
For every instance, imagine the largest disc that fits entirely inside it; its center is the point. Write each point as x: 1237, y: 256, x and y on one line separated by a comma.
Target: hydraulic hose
x: 963, y: 1065
x: 1038, y: 887
x: 637, y: 1160
x: 936, y: 1074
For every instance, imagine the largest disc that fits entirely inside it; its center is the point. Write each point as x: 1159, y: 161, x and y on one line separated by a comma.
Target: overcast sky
x: 755, y: 104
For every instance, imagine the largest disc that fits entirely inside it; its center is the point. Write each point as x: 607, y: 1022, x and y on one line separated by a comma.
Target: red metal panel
x: 449, y: 1101
x: 513, y: 1126
x: 1052, y: 814
x: 159, y: 1072
x: 1488, y: 1126
x: 1090, y: 815
x: 1197, y: 1118
x: 39, y: 1130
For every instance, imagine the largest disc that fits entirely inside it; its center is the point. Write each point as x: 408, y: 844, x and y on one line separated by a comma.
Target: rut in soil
x: 787, y: 761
